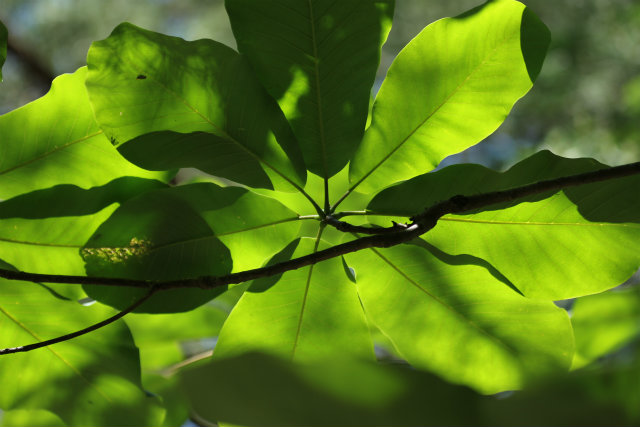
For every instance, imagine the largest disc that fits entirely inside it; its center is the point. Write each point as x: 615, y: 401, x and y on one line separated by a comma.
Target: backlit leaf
x: 200, y: 100
x: 449, y: 88
x: 55, y: 140
x: 456, y: 317
x: 604, y: 323
x: 590, y: 397
x: 318, y: 59
x: 155, y: 237
x: 335, y: 391
x: 91, y: 380
x: 30, y: 418
x: 310, y: 313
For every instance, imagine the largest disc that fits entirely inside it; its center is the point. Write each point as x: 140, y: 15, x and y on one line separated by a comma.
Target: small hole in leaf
x: 141, y: 77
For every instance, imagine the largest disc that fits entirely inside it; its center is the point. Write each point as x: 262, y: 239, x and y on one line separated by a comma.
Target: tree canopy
x: 323, y: 267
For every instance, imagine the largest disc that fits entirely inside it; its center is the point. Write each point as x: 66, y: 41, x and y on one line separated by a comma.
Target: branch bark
x: 378, y: 238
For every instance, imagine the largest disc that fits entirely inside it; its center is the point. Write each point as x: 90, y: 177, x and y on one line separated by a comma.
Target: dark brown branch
x: 33, y: 63
x: 72, y: 335
x: 363, y: 229
x: 459, y: 204
x: 75, y: 280
x: 392, y: 236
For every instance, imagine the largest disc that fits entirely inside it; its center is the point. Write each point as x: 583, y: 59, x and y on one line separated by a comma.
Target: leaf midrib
x: 48, y: 153
x: 316, y: 72
x: 25, y: 242
x: 306, y: 294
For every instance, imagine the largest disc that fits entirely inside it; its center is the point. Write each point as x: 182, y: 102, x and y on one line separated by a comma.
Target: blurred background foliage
x: 586, y: 101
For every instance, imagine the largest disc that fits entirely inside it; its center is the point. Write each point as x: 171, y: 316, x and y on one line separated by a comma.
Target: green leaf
x: 319, y: 60
x: 455, y: 317
x: 92, y: 380
x: 185, y: 232
x: 200, y: 100
x: 580, y: 241
x: 590, y: 397
x: 310, y: 313
x: 155, y: 237
x: 49, y: 245
x: 30, y: 418
x: 604, y: 323
x: 258, y: 389
x: 3, y: 46
x: 449, y: 88
x: 43, y: 231
x: 55, y: 140
x: 173, y: 397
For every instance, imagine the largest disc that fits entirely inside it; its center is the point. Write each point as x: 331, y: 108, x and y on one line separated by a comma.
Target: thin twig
x: 72, y: 335
x: 173, y: 369
x: 75, y: 280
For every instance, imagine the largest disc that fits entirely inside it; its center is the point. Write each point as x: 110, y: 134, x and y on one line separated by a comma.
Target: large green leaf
x: 257, y: 389
x: 604, y: 323
x: 186, y: 232
x: 55, y: 140
x: 200, y: 100
x: 589, y: 397
x: 92, y: 380
x: 581, y: 241
x: 318, y: 59
x: 3, y: 46
x: 310, y: 313
x: 452, y: 86
x: 456, y: 317
x: 43, y: 231
x: 155, y: 237
x: 30, y: 418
